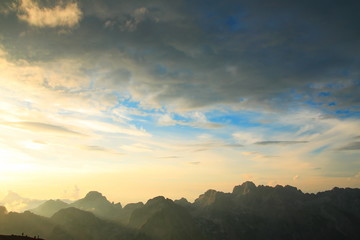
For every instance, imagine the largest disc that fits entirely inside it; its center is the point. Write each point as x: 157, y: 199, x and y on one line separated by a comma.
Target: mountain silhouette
x: 244, y: 188
x: 98, y: 204
x: 161, y: 218
x: 264, y: 212
x: 29, y: 224
x: 127, y: 211
x: 48, y: 208
x: 248, y: 212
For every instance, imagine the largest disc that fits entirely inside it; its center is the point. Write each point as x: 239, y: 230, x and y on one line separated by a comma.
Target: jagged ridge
x: 248, y: 212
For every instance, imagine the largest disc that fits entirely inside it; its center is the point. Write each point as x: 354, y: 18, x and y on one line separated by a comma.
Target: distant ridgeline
x: 14, y: 237
x: 248, y: 212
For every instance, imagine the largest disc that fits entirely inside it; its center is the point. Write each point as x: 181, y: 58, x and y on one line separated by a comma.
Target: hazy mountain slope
x: 48, y: 208
x: 83, y: 225
x: 127, y: 211
x: 248, y: 212
x: 263, y: 212
x: 96, y: 203
x: 30, y: 224
x: 161, y: 218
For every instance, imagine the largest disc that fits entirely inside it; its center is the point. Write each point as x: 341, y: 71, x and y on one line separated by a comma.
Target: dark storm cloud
x: 194, y: 54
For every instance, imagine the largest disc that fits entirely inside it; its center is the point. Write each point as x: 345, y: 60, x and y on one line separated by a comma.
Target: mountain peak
x: 209, y: 198
x: 244, y: 188
x: 49, y: 207
x: 92, y: 195
x: 183, y: 202
x: 158, y: 200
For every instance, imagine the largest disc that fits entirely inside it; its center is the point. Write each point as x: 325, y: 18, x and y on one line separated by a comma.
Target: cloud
x: 211, y: 144
x: 14, y: 202
x: 42, y: 127
x: 105, y: 127
x: 350, y: 147
x: 170, y: 157
x: 168, y: 63
x: 63, y: 15
x: 137, y: 148
x: 198, y: 72
x: 167, y: 120
x: 176, y: 58
x: 233, y: 145
x: 7, y: 7
x: 72, y: 193
x: 193, y: 119
x: 247, y: 137
x: 296, y: 177
x: 136, y: 18
x: 194, y: 163
x: 280, y: 142
x: 94, y: 148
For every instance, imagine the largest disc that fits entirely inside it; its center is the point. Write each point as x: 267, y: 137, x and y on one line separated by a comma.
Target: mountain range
x: 248, y: 212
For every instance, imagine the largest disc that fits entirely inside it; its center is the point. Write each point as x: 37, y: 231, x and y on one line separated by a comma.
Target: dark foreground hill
x: 248, y: 212
x: 15, y: 237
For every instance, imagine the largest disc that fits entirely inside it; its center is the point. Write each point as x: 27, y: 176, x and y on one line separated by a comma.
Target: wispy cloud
x: 350, y: 147
x: 194, y: 163
x: 103, y: 126
x: 211, y: 145
x: 134, y: 20
x: 14, y: 202
x: 100, y: 149
x: 170, y: 157
x: 280, y: 142
x: 137, y: 147
x: 247, y: 137
x: 43, y: 127
x: 192, y: 119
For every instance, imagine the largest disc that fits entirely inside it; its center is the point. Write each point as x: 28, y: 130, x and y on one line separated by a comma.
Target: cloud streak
x: 99, y: 149
x: 351, y: 147
x: 280, y: 142
x: 42, y: 127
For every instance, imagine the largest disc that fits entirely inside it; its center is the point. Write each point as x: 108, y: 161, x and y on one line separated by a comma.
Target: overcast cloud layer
x: 273, y: 84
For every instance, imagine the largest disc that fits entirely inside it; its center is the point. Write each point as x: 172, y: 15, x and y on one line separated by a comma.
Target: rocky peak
x: 94, y: 195
x: 244, y: 188
x: 132, y: 206
x: 183, y: 202
x: 208, y: 198
x: 160, y: 200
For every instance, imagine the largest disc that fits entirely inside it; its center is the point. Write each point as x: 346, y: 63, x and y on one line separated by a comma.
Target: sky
x: 137, y: 99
